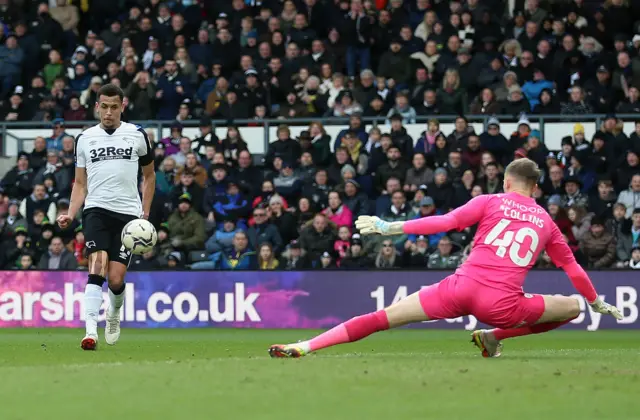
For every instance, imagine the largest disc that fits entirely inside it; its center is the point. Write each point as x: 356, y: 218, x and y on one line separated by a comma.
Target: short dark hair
x: 111, y: 90
x: 525, y: 170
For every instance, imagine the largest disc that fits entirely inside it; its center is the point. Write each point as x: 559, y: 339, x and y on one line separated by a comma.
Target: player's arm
x: 145, y: 156
x: 148, y: 188
x: 562, y: 257
x: 78, y: 192
x: 458, y: 219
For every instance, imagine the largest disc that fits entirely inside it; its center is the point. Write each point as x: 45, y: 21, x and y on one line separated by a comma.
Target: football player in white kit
x: 108, y: 156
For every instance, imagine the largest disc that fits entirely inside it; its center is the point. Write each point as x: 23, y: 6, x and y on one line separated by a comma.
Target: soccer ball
x: 139, y: 236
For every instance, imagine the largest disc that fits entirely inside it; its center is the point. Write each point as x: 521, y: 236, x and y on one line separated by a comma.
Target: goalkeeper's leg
x: 438, y: 301
x: 558, y: 311
x: 404, y: 312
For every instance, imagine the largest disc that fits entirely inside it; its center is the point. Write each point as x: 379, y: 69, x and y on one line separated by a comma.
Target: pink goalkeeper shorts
x: 457, y: 296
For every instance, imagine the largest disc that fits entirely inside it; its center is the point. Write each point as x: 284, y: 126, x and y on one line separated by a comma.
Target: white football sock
x: 115, y: 302
x: 92, y: 303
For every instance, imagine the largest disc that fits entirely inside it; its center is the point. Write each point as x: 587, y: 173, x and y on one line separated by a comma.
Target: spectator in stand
x: 631, y: 196
x: 266, y: 258
x: 395, y: 167
x: 398, y: 211
x: 187, y: 185
x: 38, y: 200
x: 287, y: 183
x: 580, y: 220
x: 186, y: 226
x: 180, y: 157
x: 294, y: 258
x: 14, y: 247
x: 18, y: 181
x: 572, y: 195
x: 263, y: 230
x: 444, y: 258
x: 628, y: 169
x: 416, y: 255
x: 337, y: 212
x: 282, y: 219
x: 418, y: 174
x: 285, y: 147
x: 77, y: 247
x: 387, y: 257
x: 354, y: 258
x: 578, y: 169
x: 357, y: 153
x: 232, y: 204
x: 629, y: 238
x: 576, y: 104
x: 559, y: 216
x: 452, y: 97
x: 12, y: 59
x: 536, y: 150
x: 342, y: 244
x: 172, y: 88
x: 191, y: 165
x: 602, y: 204
x: 598, y: 245
x: 54, y: 168
x: 472, y: 152
x: 318, y: 236
x: 403, y: 109
x: 12, y: 221
x: 239, y: 258
x: 321, y: 144
x: 395, y: 65
x: 25, y: 262
x: 485, y: 103
x: 427, y: 208
x: 57, y: 258
x: 491, y: 182
x: 40, y: 245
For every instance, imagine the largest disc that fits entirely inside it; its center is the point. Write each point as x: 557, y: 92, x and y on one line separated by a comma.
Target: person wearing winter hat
x: 174, y: 260
x: 580, y: 141
x: 536, y: 149
x: 521, y: 135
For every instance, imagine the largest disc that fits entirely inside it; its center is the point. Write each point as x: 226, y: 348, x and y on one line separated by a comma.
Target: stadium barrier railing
x: 18, y: 136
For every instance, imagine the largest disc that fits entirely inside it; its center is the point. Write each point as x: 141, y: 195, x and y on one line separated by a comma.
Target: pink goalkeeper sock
x: 501, y: 334
x: 353, y: 330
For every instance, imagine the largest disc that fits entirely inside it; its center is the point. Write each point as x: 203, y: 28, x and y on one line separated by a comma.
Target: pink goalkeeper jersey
x: 512, y: 232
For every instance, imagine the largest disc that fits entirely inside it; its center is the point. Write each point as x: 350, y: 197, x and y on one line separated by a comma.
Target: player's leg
x: 556, y: 312
x: 97, y: 242
x: 98, y: 263
x: 446, y: 299
x: 117, y: 271
x: 404, y: 312
x: 119, y: 258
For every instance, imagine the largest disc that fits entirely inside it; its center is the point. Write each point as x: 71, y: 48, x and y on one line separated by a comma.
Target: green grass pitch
x: 226, y: 374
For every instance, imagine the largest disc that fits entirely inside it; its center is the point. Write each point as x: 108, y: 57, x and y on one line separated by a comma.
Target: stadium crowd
x: 396, y: 60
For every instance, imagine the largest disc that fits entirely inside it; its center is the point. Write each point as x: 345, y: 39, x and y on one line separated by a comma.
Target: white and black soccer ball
x: 139, y: 236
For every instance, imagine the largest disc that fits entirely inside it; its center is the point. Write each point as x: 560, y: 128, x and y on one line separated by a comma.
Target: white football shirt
x: 112, y: 158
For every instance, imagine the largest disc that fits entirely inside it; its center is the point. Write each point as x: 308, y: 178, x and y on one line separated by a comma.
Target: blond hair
x: 524, y: 170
